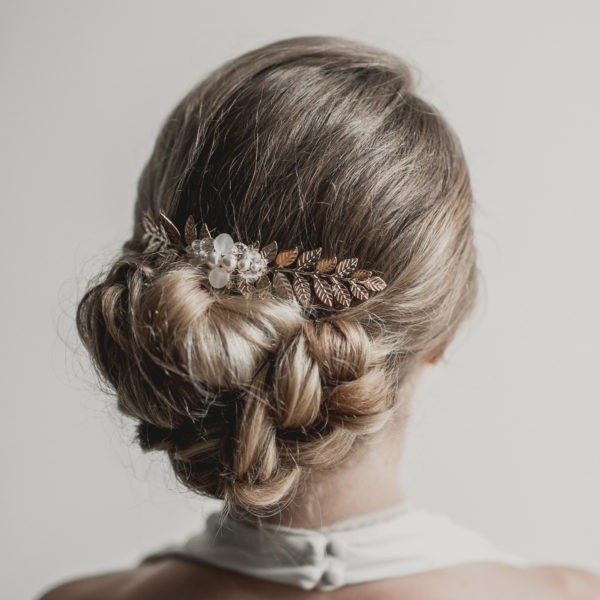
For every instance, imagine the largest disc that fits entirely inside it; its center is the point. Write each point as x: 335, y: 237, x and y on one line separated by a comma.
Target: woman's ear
x: 434, y: 358
x: 437, y: 354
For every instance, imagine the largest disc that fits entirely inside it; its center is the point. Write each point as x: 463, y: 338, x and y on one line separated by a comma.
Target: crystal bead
x: 239, y: 249
x: 202, y: 255
x: 244, y: 263
x: 251, y: 277
x: 254, y: 255
x: 206, y: 244
x: 218, y: 277
x: 196, y: 246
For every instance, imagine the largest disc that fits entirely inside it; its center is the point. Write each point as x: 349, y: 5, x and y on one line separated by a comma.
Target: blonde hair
x: 310, y: 141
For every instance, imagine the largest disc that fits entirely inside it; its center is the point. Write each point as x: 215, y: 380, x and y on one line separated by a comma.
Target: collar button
x: 335, y: 548
x: 332, y: 578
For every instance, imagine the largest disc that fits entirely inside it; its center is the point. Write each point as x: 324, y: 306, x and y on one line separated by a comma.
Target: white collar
x: 393, y: 542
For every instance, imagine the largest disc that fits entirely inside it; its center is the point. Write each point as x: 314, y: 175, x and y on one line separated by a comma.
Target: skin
x: 375, y: 466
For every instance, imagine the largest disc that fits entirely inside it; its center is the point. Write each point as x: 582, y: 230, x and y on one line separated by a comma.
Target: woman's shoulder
x: 184, y: 580
x: 495, y: 581
x: 166, y: 578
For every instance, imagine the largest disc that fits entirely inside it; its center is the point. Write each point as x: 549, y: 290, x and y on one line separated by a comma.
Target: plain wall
x: 505, y: 433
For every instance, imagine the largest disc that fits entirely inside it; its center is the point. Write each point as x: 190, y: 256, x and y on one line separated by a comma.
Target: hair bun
x: 288, y: 142
x: 242, y: 393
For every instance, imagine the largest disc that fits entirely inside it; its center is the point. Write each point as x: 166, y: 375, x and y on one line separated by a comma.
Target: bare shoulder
x: 89, y: 588
x: 184, y: 580
x: 174, y: 578
x: 571, y: 581
x: 503, y: 582
x: 161, y: 579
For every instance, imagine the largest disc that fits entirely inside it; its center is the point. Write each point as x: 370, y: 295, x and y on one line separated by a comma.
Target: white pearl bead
x: 228, y: 262
x: 223, y: 243
x: 218, y: 277
x: 211, y: 258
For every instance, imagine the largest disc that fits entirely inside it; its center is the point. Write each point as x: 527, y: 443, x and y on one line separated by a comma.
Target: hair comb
x: 288, y: 274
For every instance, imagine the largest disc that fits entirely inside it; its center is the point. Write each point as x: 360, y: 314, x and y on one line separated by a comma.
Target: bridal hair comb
x: 244, y: 268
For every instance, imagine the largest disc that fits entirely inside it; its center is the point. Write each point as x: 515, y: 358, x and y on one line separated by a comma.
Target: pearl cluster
x: 223, y: 256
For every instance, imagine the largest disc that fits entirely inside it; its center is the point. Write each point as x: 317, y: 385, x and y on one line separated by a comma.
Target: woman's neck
x: 368, y: 481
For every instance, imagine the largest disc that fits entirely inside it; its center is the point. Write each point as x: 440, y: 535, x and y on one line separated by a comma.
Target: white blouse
x: 397, y: 541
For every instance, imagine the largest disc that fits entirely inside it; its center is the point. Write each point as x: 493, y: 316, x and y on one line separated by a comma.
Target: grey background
x: 505, y: 435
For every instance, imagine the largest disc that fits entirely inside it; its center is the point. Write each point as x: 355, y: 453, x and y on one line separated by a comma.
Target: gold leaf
x: 309, y: 258
x: 234, y: 278
x: 269, y: 251
x: 154, y: 245
x: 282, y: 287
x: 362, y: 274
x: 346, y: 266
x: 358, y: 291
x: 148, y: 223
x: 190, y: 230
x: 170, y: 229
x: 375, y: 284
x: 326, y: 265
x: 204, y: 232
x: 263, y: 286
x: 286, y: 257
x: 302, y: 290
x: 245, y: 288
x: 263, y: 282
x: 340, y: 292
x: 322, y: 290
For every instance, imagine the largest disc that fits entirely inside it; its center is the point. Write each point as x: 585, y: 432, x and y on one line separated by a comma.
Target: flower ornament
x: 289, y: 274
x: 223, y: 256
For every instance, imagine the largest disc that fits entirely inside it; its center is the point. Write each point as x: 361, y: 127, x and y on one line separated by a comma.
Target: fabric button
x: 335, y: 548
x: 332, y: 577
x: 314, y: 549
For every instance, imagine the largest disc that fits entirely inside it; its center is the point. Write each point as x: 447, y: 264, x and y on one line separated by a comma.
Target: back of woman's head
x: 312, y: 142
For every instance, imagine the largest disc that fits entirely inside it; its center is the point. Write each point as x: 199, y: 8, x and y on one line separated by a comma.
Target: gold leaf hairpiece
x: 243, y: 267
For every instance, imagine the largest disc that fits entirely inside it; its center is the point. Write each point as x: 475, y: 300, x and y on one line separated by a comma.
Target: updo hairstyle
x: 309, y: 141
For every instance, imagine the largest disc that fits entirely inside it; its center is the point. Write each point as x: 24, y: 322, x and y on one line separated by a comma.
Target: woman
x: 302, y: 251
